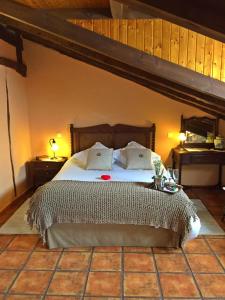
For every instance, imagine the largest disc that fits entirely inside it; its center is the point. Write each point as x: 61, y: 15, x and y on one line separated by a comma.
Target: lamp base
x: 54, y: 158
x: 182, y: 145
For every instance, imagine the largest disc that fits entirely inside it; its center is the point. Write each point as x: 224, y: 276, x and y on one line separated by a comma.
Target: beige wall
x: 7, y: 50
x: 62, y: 91
x: 21, y: 150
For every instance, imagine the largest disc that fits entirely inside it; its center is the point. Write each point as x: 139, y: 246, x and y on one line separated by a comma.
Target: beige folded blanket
x: 67, y: 201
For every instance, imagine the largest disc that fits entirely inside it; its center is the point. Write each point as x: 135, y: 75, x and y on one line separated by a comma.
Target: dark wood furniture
x: 201, y: 126
x: 42, y: 171
x: 117, y: 136
x: 183, y: 157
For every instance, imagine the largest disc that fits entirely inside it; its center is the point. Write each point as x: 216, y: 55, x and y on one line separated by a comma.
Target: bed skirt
x: 69, y: 235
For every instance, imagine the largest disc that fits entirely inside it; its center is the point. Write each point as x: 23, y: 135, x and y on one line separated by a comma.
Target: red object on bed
x: 105, y: 177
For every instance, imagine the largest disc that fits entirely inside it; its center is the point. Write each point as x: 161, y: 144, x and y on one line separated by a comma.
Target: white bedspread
x: 72, y: 170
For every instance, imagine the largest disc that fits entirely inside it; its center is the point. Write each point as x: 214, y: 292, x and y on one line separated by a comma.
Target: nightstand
x: 41, y: 171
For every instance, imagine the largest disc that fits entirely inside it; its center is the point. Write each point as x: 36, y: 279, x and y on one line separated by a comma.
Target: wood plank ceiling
x: 157, y: 37
x: 167, y: 78
x: 167, y: 41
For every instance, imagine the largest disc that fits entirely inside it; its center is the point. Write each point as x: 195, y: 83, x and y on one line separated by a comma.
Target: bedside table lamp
x: 54, y: 147
x: 182, y: 138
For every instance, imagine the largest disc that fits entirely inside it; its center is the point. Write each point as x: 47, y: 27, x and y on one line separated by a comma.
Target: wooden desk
x: 183, y: 157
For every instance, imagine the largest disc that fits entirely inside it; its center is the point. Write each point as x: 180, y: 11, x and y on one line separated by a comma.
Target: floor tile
x: 108, y: 249
x: 197, y: 246
x: 42, y: 261
x: 24, y: 242
x: 32, y: 282
x: 216, y: 210
x: 5, y: 240
x: 101, y: 298
x: 74, y: 261
x: 221, y: 258
x: 211, y: 285
x: 106, y: 262
x: 63, y: 298
x: 67, y: 283
x: 13, y: 259
x: 78, y: 249
x: 184, y: 298
x: 144, y: 298
x: 166, y: 250
x: 41, y: 247
x: 103, y: 284
x: 141, y: 284
x: 204, y: 263
x: 6, y: 279
x: 217, y: 245
x: 137, y: 249
x: 178, y: 285
x: 24, y: 297
x: 138, y: 262
x: 171, y: 263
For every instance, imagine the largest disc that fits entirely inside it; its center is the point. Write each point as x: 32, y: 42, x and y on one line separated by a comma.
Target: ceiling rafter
x: 203, y: 16
x: 13, y: 38
x: 54, y: 4
x: 80, y: 13
x: 174, y: 81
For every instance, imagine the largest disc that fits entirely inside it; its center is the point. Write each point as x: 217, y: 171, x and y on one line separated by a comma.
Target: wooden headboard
x: 117, y: 136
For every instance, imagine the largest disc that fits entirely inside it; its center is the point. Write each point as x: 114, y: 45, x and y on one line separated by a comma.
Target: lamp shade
x: 182, y: 136
x: 54, y: 146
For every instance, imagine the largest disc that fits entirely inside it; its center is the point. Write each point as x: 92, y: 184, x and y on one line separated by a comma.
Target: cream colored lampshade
x: 54, y: 147
x: 182, y: 136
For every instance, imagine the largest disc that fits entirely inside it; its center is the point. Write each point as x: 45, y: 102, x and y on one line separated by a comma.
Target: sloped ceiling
x: 165, y: 40
x: 203, y: 16
x: 176, y: 82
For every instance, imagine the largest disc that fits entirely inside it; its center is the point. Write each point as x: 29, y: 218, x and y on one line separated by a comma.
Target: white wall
x: 20, y: 134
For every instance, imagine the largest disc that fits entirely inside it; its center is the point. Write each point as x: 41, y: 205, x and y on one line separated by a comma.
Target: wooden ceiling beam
x: 20, y: 68
x: 153, y: 85
x: 203, y: 16
x: 166, y: 78
x: 65, y: 3
x: 10, y: 36
x: 80, y: 13
x: 13, y: 38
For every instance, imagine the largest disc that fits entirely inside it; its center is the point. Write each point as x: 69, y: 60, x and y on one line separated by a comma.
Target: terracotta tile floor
x: 195, y: 272
x: 29, y: 271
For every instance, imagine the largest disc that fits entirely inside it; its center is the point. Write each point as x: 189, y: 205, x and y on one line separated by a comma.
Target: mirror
x: 200, y: 131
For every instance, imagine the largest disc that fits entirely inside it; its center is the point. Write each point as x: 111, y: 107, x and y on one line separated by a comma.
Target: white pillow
x: 138, y: 159
x: 120, y: 154
x: 82, y: 155
x: 134, y: 145
x: 99, y: 159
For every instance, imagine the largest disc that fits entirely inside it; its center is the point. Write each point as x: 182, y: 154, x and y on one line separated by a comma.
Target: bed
x: 84, y: 234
